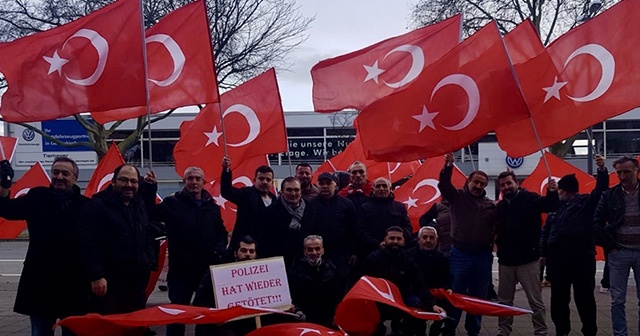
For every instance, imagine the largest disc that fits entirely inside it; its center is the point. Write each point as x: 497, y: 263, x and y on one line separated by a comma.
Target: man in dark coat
x: 568, y: 249
x: 379, y: 214
x: 117, y: 244
x: 196, y: 236
x: 359, y: 188
x: 314, y: 285
x: 251, y: 202
x: 52, y: 284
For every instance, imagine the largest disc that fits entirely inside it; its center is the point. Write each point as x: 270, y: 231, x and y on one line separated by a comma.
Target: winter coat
x: 52, y: 282
x: 434, y: 266
x: 375, y: 217
x: 439, y: 212
x: 358, y: 196
x: 336, y: 223
x: 608, y: 217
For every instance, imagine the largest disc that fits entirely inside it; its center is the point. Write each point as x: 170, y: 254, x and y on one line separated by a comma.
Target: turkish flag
x: 357, y: 79
x: 354, y: 152
x: 36, y: 176
x: 130, y: 323
x: 538, y: 179
x: 296, y: 329
x: 454, y: 102
x: 523, y: 43
x: 92, y: 64
x: 476, y: 306
x: 254, y: 122
x: 587, y: 75
x: 243, y: 177
x: 421, y: 191
x: 7, y: 147
x: 181, y: 65
x: 103, y: 174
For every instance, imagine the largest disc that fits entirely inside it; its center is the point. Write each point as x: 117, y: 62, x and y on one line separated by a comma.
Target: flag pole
x: 533, y: 125
x: 146, y: 88
x: 389, y: 171
x: 473, y: 165
x: 4, y: 157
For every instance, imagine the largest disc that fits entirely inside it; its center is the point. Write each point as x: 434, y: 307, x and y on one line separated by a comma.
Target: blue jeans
x: 43, y: 326
x: 620, y: 262
x: 470, y: 275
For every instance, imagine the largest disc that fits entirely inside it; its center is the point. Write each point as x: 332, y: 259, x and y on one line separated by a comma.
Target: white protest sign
x: 253, y: 283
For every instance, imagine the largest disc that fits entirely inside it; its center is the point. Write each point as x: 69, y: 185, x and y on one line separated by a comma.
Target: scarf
x: 296, y: 213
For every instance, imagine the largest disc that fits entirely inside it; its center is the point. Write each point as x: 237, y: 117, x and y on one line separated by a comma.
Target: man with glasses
x: 116, y: 243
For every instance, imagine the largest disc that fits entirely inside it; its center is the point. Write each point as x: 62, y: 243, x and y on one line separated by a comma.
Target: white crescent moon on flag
x: 244, y: 180
x: 607, y: 64
x: 473, y: 93
x: 102, y: 47
x: 431, y: 183
x: 417, y: 64
x: 22, y: 192
x: 171, y: 311
x: 252, y: 120
x: 388, y: 295
x: 392, y: 171
x: 177, y: 56
x: 544, y: 183
x: 106, y: 179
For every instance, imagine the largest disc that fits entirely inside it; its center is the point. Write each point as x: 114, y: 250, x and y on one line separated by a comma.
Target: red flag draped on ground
x: 123, y: 324
x: 454, y: 102
x: 103, y: 174
x: 357, y: 79
x: 477, y: 306
x: 295, y: 329
x: 8, y: 147
x: 421, y: 191
x: 253, y: 120
x: 36, y: 176
x: 92, y: 64
x: 180, y: 60
x: 358, y: 313
x: 585, y: 76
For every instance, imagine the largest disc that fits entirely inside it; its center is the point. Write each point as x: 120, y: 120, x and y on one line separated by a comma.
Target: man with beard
x: 304, y: 173
x: 377, y: 215
x: 251, y: 202
x: 395, y: 265
x: 473, y: 218
x: 315, y: 288
x: 518, y: 241
x: 116, y: 242
x: 52, y: 284
x: 359, y: 188
x: 196, y: 236
x: 568, y: 249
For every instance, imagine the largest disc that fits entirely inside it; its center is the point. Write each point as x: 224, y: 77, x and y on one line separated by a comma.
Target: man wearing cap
x: 567, y: 248
x: 336, y: 223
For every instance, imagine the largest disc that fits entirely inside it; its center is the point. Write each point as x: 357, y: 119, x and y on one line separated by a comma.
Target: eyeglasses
x: 125, y: 180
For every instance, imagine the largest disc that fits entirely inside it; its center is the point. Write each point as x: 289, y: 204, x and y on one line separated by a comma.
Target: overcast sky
x: 341, y: 26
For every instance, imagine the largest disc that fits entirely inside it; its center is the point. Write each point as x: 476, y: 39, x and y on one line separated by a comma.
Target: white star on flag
x: 373, y: 72
x: 554, y: 90
x: 55, y: 63
x: 426, y: 118
x: 411, y: 203
x: 213, y: 136
x: 220, y: 201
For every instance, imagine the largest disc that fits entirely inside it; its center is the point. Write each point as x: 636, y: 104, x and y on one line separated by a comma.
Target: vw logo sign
x: 514, y: 162
x: 28, y: 134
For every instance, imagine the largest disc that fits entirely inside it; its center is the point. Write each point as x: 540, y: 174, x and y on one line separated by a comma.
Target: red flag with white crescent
x: 36, y: 176
x: 476, y: 306
x: 296, y: 329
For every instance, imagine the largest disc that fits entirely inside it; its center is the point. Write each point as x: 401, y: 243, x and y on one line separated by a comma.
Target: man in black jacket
x: 617, y: 228
x: 377, y: 215
x: 567, y: 247
x: 251, y: 202
x: 117, y: 244
x: 52, y: 284
x: 518, y: 241
x: 196, y: 236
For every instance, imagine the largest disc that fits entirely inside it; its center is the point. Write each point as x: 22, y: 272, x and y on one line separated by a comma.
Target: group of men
x: 103, y: 249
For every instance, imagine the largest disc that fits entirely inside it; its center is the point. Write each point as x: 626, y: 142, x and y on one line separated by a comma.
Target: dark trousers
x: 43, y: 326
x: 578, y: 272
x: 182, y: 286
x: 119, y: 302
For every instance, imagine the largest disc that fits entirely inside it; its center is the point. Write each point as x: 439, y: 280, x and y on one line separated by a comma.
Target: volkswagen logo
x: 28, y: 134
x: 514, y: 162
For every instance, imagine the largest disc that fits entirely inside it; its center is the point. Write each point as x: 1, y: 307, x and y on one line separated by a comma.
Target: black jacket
x: 52, y: 281
x: 278, y: 238
x: 568, y: 232
x: 402, y: 271
x: 315, y: 290
x: 375, y: 217
x: 196, y: 234
x: 336, y: 223
x: 608, y: 217
x: 251, y: 209
x: 439, y: 212
x: 519, y: 226
x: 116, y: 240
x: 434, y: 266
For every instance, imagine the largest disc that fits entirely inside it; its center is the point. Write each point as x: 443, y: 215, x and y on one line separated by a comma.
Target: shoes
x: 545, y: 283
x: 493, y: 296
x: 604, y: 290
